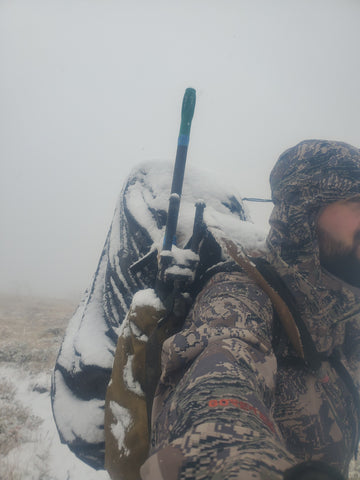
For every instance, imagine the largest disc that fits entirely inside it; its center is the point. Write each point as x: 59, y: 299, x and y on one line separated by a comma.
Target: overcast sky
x: 90, y: 88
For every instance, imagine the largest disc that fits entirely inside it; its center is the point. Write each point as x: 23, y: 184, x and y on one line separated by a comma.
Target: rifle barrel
x: 187, y: 113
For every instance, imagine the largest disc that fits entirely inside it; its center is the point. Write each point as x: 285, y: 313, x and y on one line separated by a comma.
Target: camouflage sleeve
x: 213, y: 409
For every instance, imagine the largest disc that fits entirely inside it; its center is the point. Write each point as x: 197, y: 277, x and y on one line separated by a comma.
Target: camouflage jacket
x: 225, y: 406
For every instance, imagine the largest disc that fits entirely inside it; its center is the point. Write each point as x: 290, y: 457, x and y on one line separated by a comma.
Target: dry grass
x: 15, y: 420
x: 32, y: 330
x: 31, y: 333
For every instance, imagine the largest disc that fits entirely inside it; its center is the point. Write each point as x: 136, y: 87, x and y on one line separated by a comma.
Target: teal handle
x: 187, y: 111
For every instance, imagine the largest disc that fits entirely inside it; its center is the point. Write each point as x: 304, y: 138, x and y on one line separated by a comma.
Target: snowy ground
x: 31, y: 332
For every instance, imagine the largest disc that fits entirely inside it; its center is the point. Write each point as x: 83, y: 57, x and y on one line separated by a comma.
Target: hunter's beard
x: 339, y: 259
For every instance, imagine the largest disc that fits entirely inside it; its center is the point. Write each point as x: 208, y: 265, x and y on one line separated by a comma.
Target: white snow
x: 123, y: 423
x: 40, y: 455
x: 180, y: 256
x: 86, y: 331
x: 177, y: 270
x: 74, y: 414
x: 198, y: 184
x: 92, y: 341
x: 248, y: 234
x: 136, y: 332
x: 131, y: 384
x: 147, y: 297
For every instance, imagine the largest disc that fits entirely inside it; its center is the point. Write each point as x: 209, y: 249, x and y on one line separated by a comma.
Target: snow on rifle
x: 177, y: 266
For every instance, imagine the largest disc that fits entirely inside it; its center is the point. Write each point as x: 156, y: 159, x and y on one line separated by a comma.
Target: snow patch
x: 147, y: 297
x: 136, y: 332
x: 124, y: 329
x: 74, y: 414
x: 176, y: 270
x: 250, y: 236
x: 180, y: 256
x: 86, y: 332
x: 122, y: 425
x: 40, y: 455
x: 131, y: 384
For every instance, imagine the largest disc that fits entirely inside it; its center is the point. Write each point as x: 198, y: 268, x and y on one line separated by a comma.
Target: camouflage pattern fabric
x: 226, y: 407
x: 218, y: 418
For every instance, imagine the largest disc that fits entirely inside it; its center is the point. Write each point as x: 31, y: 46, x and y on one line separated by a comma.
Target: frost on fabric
x: 123, y: 424
x: 129, y: 381
x: 73, y: 414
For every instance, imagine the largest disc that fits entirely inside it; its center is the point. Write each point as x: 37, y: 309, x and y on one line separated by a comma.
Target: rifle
x: 168, y: 283
x: 187, y: 113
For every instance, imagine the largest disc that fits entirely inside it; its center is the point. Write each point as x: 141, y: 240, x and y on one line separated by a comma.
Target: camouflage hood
x: 306, y: 178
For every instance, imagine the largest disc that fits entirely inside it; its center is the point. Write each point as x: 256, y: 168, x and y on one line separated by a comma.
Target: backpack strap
x: 312, y: 357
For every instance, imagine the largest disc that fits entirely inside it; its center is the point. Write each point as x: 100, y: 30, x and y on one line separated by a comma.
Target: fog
x: 90, y: 88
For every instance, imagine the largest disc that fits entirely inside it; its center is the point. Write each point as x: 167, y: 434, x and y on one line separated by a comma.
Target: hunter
x: 247, y: 390
x: 235, y: 400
